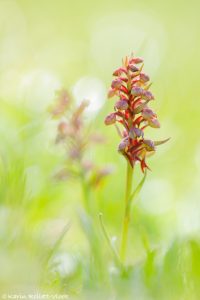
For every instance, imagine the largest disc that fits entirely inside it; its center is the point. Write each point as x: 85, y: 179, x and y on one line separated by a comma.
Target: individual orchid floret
x: 121, y: 105
x: 117, y: 83
x: 110, y: 119
x: 144, y: 77
x: 131, y: 86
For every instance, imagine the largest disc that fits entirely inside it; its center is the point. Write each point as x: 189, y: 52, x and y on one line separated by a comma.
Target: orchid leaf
x: 106, y: 235
x: 157, y: 143
x: 138, y: 188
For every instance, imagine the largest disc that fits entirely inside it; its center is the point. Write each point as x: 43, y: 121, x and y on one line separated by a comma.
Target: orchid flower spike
x: 131, y: 86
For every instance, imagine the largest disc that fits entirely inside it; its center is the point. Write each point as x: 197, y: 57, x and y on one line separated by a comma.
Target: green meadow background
x: 49, y: 44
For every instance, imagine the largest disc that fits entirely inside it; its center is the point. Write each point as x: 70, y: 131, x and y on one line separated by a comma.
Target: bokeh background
x: 48, y: 44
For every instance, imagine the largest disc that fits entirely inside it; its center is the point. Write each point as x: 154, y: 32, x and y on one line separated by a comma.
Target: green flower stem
x: 86, y: 193
x: 126, y: 222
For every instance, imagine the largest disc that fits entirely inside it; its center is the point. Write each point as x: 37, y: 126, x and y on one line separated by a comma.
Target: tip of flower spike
x: 81, y: 109
x: 136, y: 60
x: 61, y: 105
x: 133, y: 68
x: 125, y: 62
x: 119, y: 71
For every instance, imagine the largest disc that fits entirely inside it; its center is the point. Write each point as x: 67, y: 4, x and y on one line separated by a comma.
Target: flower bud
x: 124, y: 79
x: 116, y: 83
x: 124, y: 133
x: 154, y: 123
x: 139, y: 107
x: 136, y: 60
x: 149, y: 145
x: 133, y: 68
x: 135, y: 132
x: 135, y: 76
x: 121, y: 105
x: 147, y: 95
x: 144, y: 77
x: 110, y: 119
x: 123, y: 145
x: 147, y: 113
x: 111, y: 93
x: 119, y: 71
x: 137, y: 91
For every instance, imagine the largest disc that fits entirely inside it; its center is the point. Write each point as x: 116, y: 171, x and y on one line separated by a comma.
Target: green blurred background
x: 48, y: 44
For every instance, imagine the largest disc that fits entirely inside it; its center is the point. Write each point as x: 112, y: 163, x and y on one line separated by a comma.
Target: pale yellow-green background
x: 47, y: 44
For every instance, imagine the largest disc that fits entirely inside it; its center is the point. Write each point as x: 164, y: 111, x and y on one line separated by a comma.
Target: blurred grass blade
x: 58, y: 242
x: 113, y: 250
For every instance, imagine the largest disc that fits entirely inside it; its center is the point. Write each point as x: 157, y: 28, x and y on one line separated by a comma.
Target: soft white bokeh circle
x: 65, y: 264
x: 37, y: 89
x: 157, y: 196
x: 91, y: 89
x: 188, y: 211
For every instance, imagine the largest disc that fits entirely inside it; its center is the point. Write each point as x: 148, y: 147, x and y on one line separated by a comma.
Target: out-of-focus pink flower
x: 74, y: 134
